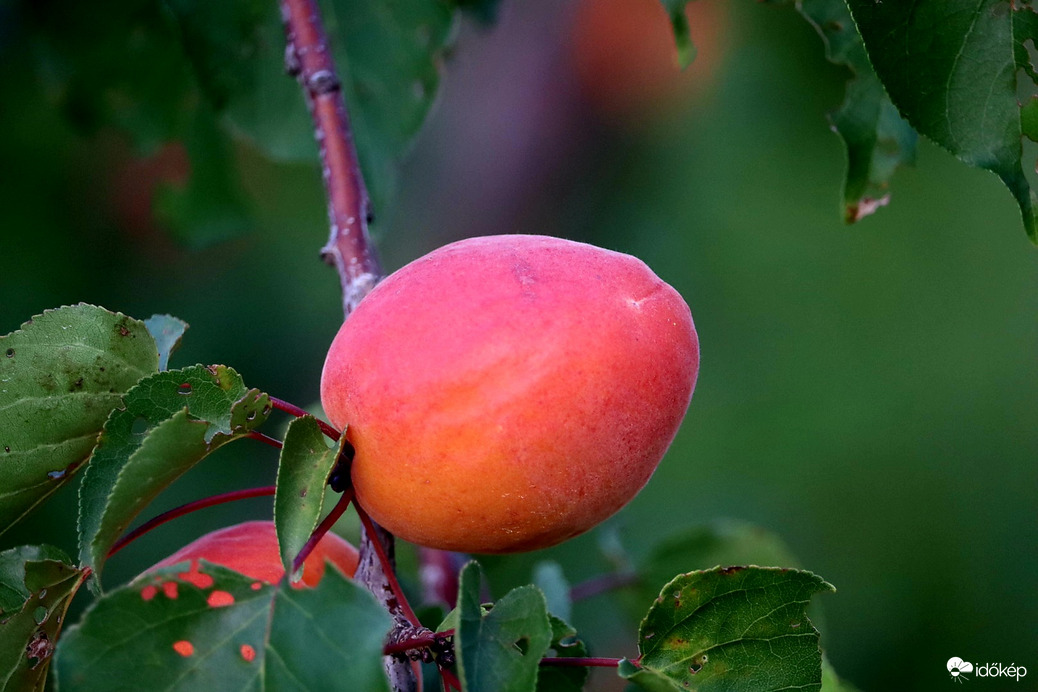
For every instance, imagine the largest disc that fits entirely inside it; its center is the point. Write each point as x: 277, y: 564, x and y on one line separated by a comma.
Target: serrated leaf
x: 733, y: 628
x: 167, y: 331
x: 682, y: 31
x: 61, y: 374
x: 877, y: 139
x: 550, y: 579
x: 564, y: 644
x: 37, y: 583
x: 500, y: 650
x: 950, y: 67
x: 303, y: 469
x: 169, y: 422
x: 215, y: 629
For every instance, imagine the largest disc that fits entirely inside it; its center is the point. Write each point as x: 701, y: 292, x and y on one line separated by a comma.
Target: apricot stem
x: 581, y: 662
x: 326, y: 524
x: 309, y: 60
x: 387, y: 568
x: 292, y: 409
x: 180, y: 511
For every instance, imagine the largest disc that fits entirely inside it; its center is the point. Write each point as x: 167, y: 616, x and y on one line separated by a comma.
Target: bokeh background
x: 868, y: 393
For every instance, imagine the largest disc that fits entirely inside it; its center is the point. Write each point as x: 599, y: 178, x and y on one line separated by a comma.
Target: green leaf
x: 500, y: 651
x: 564, y: 644
x: 388, y: 54
x: 220, y: 631
x: 682, y: 31
x: 831, y: 682
x: 647, y: 679
x: 732, y: 628
x: 950, y: 67
x: 303, y: 470
x: 167, y: 332
x: 549, y: 578
x: 36, y: 585
x: 876, y: 138
x: 170, y: 422
x: 61, y: 374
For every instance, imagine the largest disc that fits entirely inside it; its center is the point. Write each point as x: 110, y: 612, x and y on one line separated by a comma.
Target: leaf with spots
x: 731, y: 628
x: 61, y: 374
x: 304, y: 467
x: 500, y: 650
x: 214, y: 629
x: 951, y: 67
x: 169, y: 422
x: 36, y: 585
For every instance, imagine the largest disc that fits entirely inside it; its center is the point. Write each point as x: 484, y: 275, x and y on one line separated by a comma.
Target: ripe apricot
x: 506, y: 393
x: 252, y: 549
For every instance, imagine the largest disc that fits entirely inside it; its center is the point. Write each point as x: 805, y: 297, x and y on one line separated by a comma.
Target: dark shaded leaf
x: 564, y: 644
x: 303, y: 469
x: 36, y: 585
x: 169, y: 422
x: 950, y: 67
x: 61, y: 374
x: 500, y: 650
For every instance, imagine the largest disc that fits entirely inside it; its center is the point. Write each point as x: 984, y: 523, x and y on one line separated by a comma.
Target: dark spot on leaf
x: 123, y: 331
x: 38, y: 649
x: 302, y: 493
x: 184, y: 388
x: 102, y: 368
x: 731, y: 570
x: 78, y: 384
x: 833, y: 25
x: 523, y: 644
x: 10, y: 353
x: 7, y: 449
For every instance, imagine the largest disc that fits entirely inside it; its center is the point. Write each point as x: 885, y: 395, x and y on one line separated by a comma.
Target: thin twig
x: 326, y: 524
x: 282, y: 405
x: 401, y: 601
x: 180, y: 511
x: 309, y: 59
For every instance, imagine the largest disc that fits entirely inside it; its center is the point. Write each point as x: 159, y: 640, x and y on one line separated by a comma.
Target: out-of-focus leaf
x: 389, y: 55
x: 168, y: 423
x: 167, y: 332
x: 303, y: 470
x: 549, y: 578
x: 877, y: 139
x: 564, y: 644
x: 61, y: 374
x: 682, y: 31
x: 500, y: 650
x: 215, y: 629
x: 36, y: 585
x: 732, y: 628
x: 950, y: 67
x: 831, y: 682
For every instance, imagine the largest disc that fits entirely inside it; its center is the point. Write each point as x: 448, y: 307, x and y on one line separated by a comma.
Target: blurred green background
x: 868, y: 393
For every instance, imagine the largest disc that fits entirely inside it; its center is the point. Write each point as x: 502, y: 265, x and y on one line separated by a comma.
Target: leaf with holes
x: 303, y: 470
x: 950, y: 66
x: 215, y: 629
x: 500, y: 650
x: 170, y: 421
x: 167, y: 332
x: 564, y: 644
x: 731, y: 628
x: 877, y: 139
x: 36, y: 585
x: 61, y: 374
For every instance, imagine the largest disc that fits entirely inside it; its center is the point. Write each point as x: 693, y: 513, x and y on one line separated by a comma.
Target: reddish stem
x: 450, y: 679
x: 309, y: 59
x: 282, y: 405
x: 265, y: 439
x: 180, y: 511
x: 326, y: 524
x: 387, y: 567
x: 581, y: 662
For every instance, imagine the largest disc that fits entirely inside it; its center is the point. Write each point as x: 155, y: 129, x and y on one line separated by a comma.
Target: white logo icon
x: 958, y: 668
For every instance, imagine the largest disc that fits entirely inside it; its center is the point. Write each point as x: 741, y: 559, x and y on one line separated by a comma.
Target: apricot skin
x: 252, y: 549
x: 506, y: 393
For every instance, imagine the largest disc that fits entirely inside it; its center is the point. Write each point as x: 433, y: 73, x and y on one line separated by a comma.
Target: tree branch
x: 349, y: 249
x: 308, y: 58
